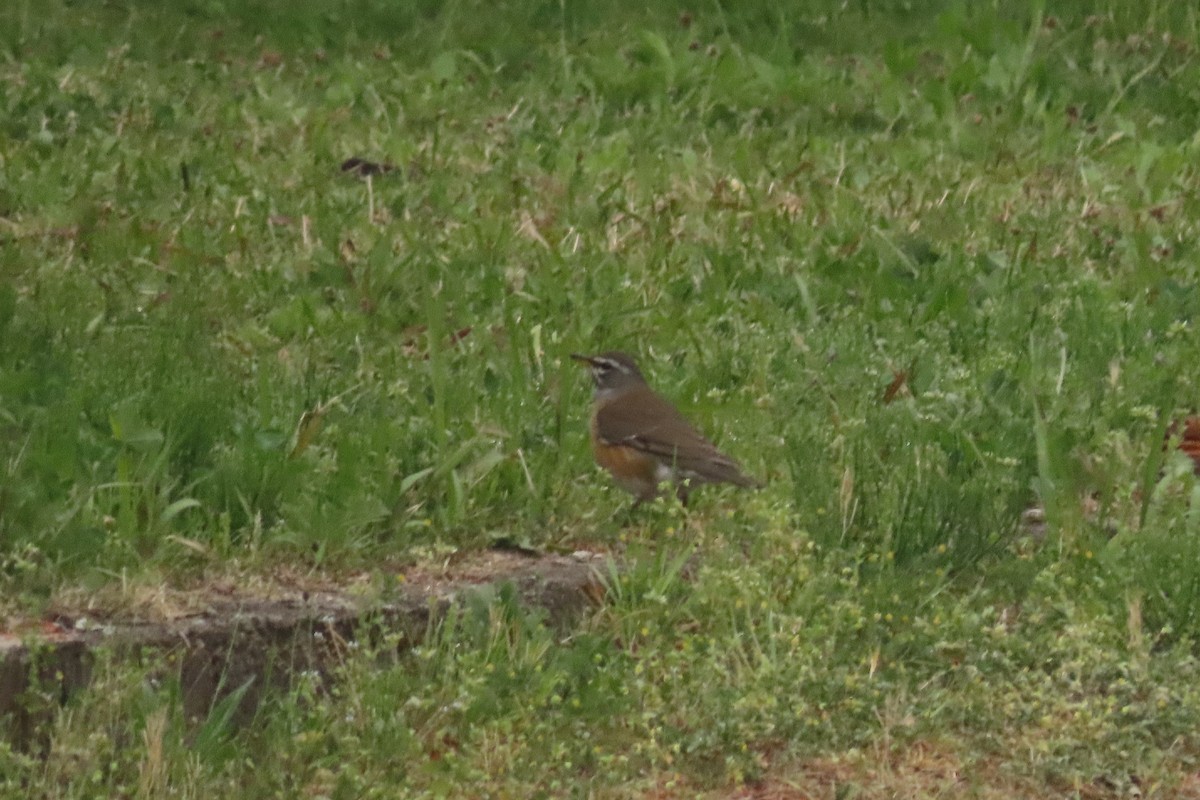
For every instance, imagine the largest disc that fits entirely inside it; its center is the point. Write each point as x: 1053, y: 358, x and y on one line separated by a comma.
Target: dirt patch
x: 914, y: 771
x: 232, y: 639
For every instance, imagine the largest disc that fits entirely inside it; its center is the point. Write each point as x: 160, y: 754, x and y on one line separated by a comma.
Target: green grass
x: 777, y: 210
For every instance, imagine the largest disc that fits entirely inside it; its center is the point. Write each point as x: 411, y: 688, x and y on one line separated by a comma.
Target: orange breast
x: 624, y: 462
x: 634, y: 471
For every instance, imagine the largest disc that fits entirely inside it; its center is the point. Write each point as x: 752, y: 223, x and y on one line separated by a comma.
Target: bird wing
x: 669, y: 438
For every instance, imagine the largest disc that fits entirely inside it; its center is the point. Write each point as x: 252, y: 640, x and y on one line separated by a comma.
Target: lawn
x: 919, y: 266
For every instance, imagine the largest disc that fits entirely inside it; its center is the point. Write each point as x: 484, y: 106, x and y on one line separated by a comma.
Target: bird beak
x: 582, y: 358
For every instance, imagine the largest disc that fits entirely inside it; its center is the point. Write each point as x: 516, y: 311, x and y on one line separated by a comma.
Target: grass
x: 918, y: 265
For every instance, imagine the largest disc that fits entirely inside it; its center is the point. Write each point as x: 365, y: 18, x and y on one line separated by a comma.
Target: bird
x: 643, y: 440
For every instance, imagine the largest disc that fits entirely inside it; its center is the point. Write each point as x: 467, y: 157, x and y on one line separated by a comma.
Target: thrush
x: 643, y: 440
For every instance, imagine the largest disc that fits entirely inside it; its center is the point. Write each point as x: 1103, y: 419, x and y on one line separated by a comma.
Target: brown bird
x: 643, y: 440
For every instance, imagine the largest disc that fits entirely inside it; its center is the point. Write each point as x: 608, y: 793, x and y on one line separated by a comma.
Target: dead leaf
x: 1189, y: 442
x: 307, y: 429
x: 529, y: 229
x: 899, y: 385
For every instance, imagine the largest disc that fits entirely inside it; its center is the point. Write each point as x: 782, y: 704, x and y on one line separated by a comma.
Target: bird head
x: 612, y: 370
